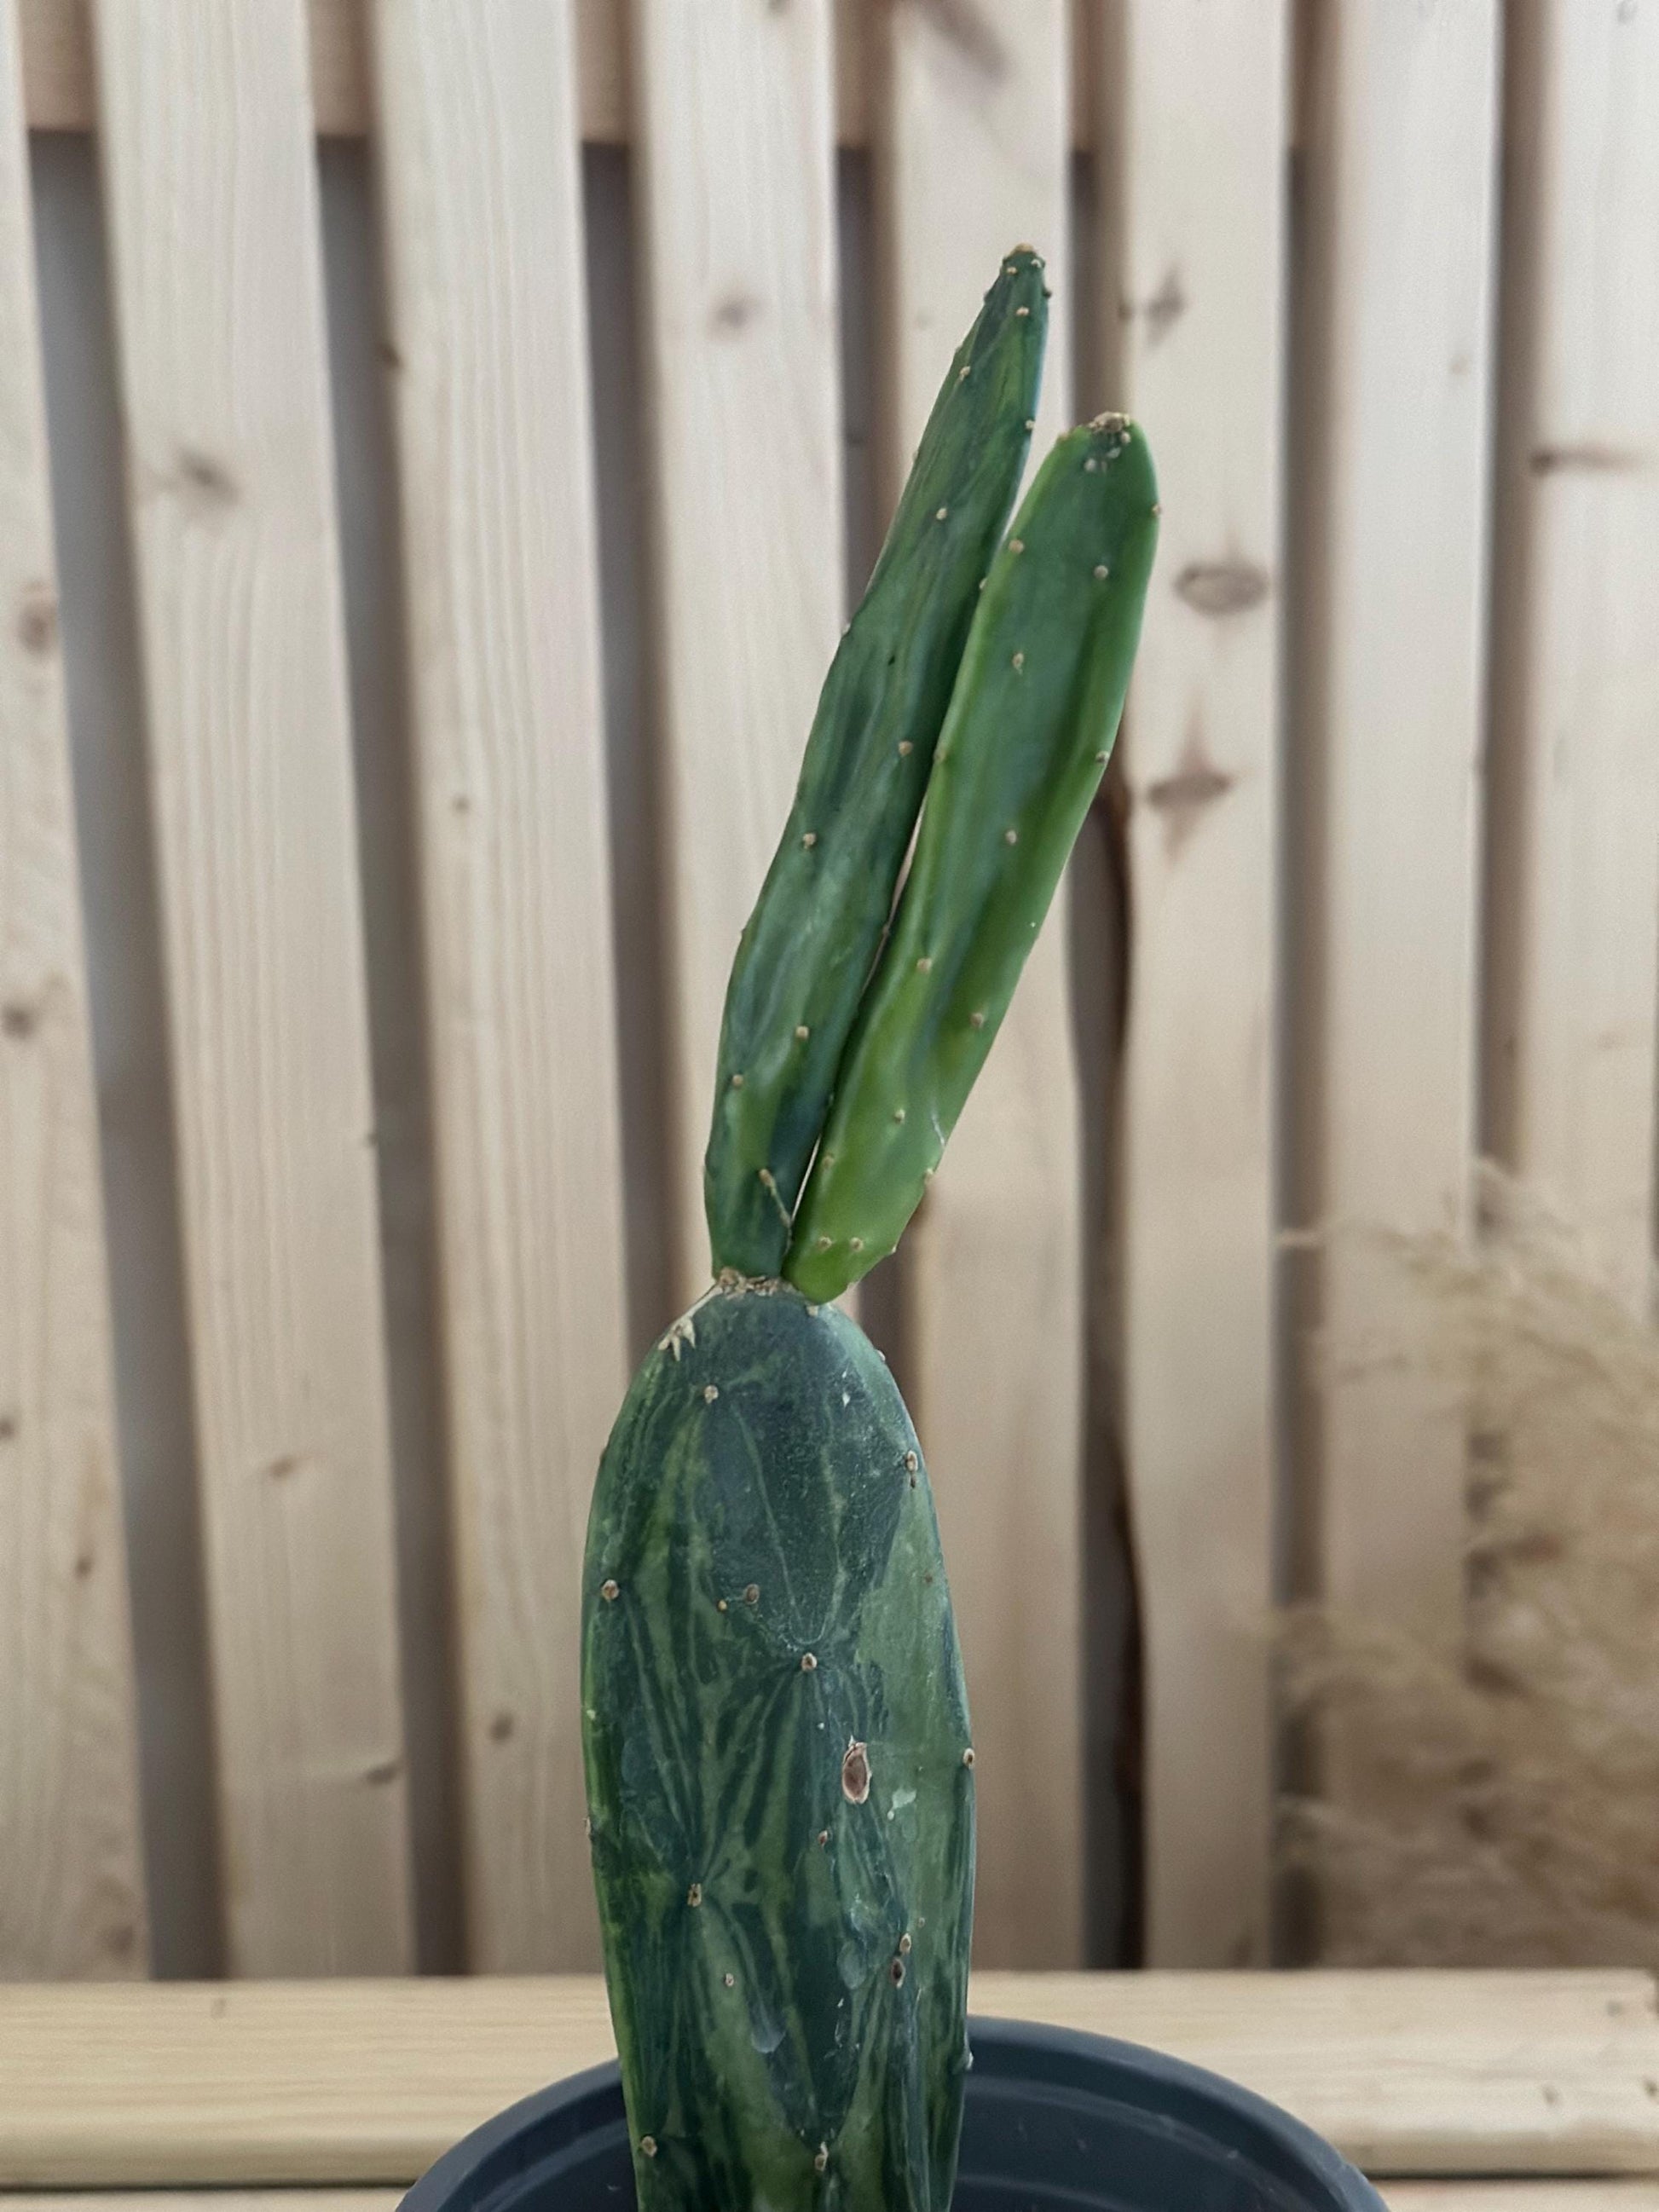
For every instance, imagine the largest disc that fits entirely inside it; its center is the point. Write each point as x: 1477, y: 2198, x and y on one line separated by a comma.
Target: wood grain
x: 1597, y: 2195
x: 362, y: 2083
x: 211, y: 194
x: 1394, y: 410
x: 71, y: 1884
x: 61, y: 93
x: 971, y: 160
x: 57, y: 74
x: 1574, y: 887
x: 734, y: 118
x: 481, y: 186
x: 195, y: 2200
x: 1193, y: 298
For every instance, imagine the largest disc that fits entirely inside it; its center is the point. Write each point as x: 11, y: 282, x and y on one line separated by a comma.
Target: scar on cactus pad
x: 778, y: 1761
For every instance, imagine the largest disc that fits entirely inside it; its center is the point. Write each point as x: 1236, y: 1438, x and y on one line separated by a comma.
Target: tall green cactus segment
x: 1035, y: 708
x: 805, y: 956
x: 779, y: 1773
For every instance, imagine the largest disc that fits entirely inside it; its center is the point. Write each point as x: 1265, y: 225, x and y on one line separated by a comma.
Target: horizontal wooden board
x: 123, y: 2085
x: 195, y: 2200
x: 1577, y: 2195
x: 58, y: 88
x: 1509, y: 2195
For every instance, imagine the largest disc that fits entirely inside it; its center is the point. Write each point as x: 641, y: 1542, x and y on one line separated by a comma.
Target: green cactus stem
x: 779, y: 1771
x: 1035, y: 708
x: 806, y: 953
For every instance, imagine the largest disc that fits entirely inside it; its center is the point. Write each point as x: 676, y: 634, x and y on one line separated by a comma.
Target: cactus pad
x: 806, y: 952
x: 779, y: 1771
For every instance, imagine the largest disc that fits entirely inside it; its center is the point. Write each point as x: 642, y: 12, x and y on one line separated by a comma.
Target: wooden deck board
x: 1525, y: 2195
x: 123, y: 2086
x: 1571, y: 2195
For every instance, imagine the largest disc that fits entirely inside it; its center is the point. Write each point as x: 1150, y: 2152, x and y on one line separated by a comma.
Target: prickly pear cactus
x: 778, y: 1756
x: 778, y: 1771
x: 805, y: 955
x: 1024, y: 745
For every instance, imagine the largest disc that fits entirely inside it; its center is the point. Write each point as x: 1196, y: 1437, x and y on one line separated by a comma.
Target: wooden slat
x: 735, y: 118
x: 59, y: 80
x: 345, y: 2082
x: 211, y: 190
x: 1399, y: 184
x: 482, y: 191
x: 71, y: 1886
x: 972, y: 161
x: 58, y: 77
x: 58, y: 88
x: 1598, y: 2196
x: 1192, y: 295
x: 195, y: 2200
x: 1575, y: 863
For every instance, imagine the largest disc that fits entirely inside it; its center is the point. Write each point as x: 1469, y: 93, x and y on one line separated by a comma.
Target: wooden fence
x: 1379, y: 888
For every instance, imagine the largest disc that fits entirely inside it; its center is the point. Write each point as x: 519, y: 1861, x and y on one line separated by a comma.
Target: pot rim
x: 1014, y: 2054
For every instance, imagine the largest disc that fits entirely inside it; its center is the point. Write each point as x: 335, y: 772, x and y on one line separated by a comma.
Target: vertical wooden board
x: 973, y: 159
x: 734, y: 124
x: 1400, y: 181
x: 211, y: 183
x: 480, y: 187
x: 1194, y: 299
x: 71, y: 1885
x: 1574, y: 895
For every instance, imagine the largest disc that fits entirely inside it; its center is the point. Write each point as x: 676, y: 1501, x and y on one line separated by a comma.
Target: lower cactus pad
x: 779, y: 1773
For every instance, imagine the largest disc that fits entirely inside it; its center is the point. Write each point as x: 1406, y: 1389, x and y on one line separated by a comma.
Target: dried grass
x: 1512, y: 1788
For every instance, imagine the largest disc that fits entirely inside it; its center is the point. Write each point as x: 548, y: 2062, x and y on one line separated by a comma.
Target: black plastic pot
x: 1055, y: 2122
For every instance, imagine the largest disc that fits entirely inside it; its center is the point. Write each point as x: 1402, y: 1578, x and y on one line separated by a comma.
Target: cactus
x: 774, y: 1722
x: 781, y: 1817
x: 805, y: 954
x: 1024, y: 745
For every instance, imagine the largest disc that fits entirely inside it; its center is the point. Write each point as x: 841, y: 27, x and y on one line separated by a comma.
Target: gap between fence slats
x: 972, y: 160
x: 738, y: 245
x: 1192, y: 298
x: 1573, y: 908
x: 211, y: 189
x: 482, y: 187
x: 1393, y: 413
x: 71, y: 1884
